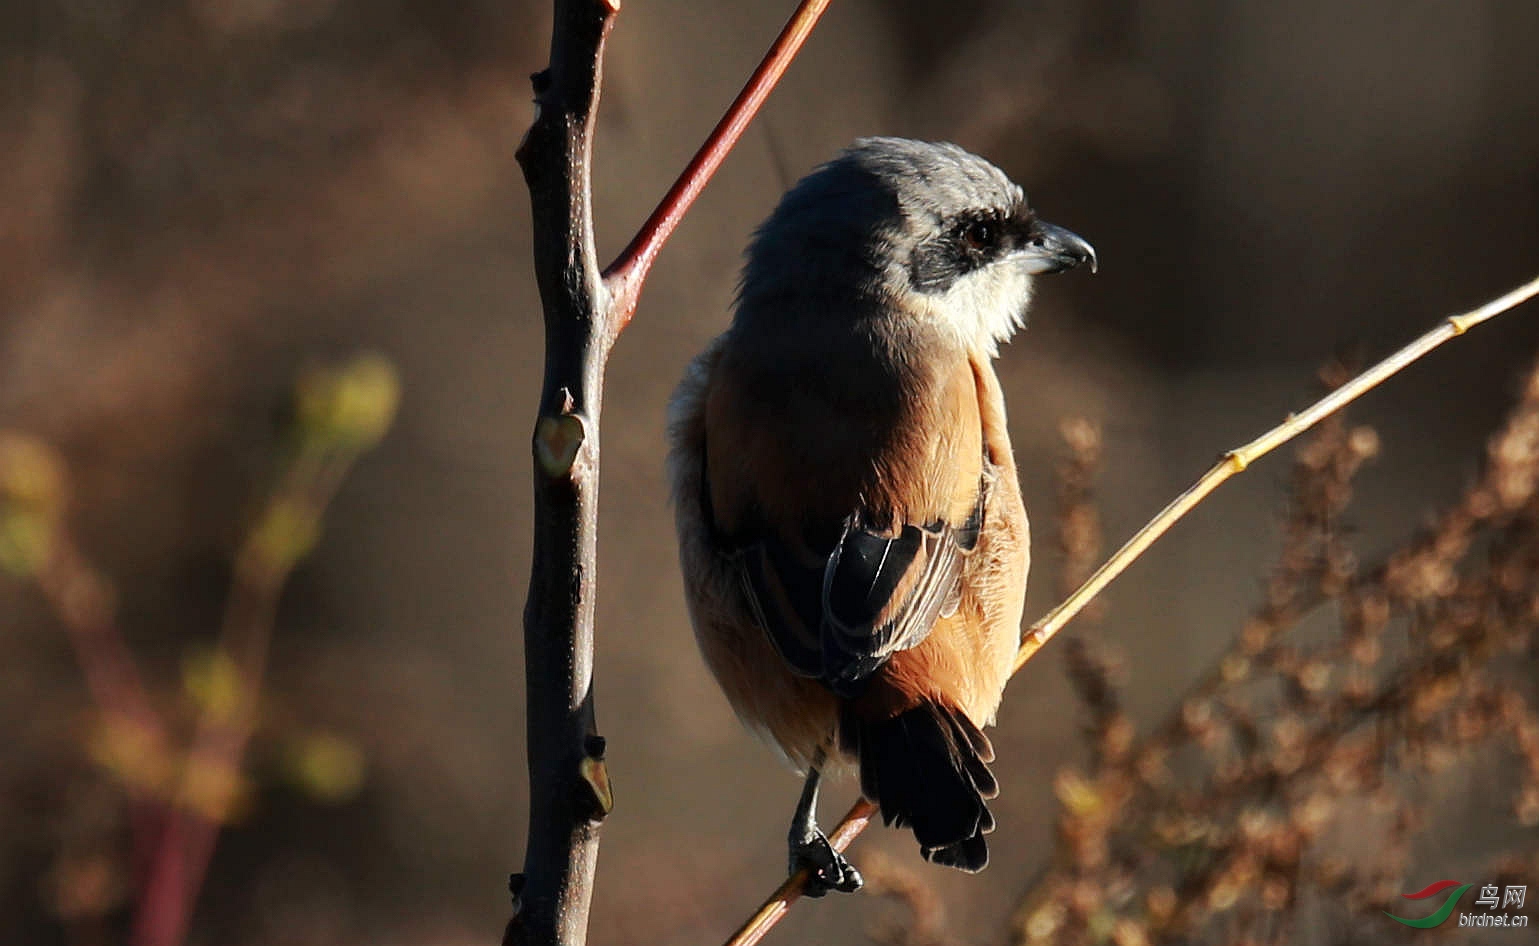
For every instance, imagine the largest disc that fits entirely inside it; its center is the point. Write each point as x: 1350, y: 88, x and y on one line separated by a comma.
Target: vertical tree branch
x: 585, y: 310
x: 569, y: 790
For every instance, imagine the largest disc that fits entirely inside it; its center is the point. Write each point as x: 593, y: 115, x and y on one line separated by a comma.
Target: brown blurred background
x: 201, y: 197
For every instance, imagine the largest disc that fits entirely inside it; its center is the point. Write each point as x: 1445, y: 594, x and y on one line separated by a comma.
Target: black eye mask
x: 971, y: 243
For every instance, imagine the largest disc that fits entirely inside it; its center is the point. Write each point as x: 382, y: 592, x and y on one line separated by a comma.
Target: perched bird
x: 851, y: 532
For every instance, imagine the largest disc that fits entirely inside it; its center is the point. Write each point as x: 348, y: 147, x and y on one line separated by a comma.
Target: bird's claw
x: 827, y: 869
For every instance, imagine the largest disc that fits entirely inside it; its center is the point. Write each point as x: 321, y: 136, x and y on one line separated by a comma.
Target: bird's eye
x: 978, y: 235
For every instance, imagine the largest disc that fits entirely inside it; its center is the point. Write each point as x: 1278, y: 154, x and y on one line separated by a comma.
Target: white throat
x: 981, y: 309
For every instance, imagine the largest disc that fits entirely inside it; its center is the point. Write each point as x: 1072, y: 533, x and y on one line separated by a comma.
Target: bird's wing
x: 840, y: 616
x: 847, y: 524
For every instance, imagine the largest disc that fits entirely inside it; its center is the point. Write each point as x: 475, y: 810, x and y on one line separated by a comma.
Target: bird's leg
x: 828, y: 869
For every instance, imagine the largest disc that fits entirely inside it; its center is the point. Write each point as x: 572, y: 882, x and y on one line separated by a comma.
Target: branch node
x: 595, y: 775
x: 556, y: 443
x: 1460, y: 323
x: 1238, y: 459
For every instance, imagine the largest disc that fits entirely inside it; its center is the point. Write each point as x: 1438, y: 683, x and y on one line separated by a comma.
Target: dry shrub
x: 1284, y: 799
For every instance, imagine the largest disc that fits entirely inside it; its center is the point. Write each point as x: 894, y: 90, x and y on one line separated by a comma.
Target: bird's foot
x: 827, y: 869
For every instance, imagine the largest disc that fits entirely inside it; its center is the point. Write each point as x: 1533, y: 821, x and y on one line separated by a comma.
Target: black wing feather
x: 824, y: 613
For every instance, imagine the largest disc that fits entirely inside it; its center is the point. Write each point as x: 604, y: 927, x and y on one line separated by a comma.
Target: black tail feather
x: 928, y: 770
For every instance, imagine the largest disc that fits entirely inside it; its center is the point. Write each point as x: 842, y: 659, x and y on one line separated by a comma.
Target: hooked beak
x: 1052, y: 249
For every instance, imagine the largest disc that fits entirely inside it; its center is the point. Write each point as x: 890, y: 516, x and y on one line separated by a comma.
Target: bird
x: 852, y: 537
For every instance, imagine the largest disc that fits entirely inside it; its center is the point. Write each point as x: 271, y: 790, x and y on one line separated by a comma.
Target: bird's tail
x: 927, y: 767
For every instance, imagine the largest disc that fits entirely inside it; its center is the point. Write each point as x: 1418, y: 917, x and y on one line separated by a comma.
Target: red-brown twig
x: 209, y: 786
x: 629, y: 270
x: 133, y: 740
x: 81, y: 599
x: 179, y: 801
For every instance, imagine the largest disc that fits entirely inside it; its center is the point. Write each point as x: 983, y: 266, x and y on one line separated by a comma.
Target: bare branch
x: 1236, y: 461
x: 552, y: 895
x: 584, y: 311
x: 779, y: 902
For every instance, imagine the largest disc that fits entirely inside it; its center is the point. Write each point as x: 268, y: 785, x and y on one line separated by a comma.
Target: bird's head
x: 908, y: 230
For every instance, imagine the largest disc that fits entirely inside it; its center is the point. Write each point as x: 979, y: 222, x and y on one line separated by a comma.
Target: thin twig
x: 209, y: 786
x: 1235, y: 461
x: 83, y: 599
x: 629, y: 270
x: 779, y: 902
